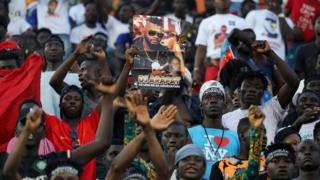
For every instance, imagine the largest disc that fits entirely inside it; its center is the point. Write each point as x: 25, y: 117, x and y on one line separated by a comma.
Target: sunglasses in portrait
x: 74, y: 136
x: 153, y: 33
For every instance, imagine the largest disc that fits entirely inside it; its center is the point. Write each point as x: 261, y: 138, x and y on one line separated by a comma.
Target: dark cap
x: 54, y: 38
x: 250, y: 75
x: 283, y: 133
x: 26, y: 107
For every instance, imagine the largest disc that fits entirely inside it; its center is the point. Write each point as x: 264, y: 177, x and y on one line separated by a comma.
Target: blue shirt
x: 228, y: 141
x: 123, y: 39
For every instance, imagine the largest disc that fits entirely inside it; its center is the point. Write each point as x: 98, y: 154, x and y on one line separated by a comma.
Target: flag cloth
x: 228, y: 56
x: 18, y: 85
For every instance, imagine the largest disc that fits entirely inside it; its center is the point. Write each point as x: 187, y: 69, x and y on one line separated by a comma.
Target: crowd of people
x: 246, y: 105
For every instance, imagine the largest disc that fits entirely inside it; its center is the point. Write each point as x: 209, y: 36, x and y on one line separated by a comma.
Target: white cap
x: 211, y: 86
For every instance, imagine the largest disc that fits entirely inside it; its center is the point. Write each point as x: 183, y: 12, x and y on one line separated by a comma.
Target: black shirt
x: 36, y: 166
x: 144, y: 59
x: 307, y: 59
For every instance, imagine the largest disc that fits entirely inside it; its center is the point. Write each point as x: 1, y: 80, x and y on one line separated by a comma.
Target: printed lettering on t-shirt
x: 215, y: 153
x: 307, y: 14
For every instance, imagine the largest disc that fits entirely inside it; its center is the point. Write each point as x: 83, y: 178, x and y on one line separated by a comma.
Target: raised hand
x: 261, y: 47
x: 130, y: 103
x: 33, y: 119
x: 98, y: 52
x: 105, y: 86
x: 164, y: 117
x: 130, y: 53
x: 141, y: 109
x: 309, y: 115
x: 256, y: 116
x: 83, y: 46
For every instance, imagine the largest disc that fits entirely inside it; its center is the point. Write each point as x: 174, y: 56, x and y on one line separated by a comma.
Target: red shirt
x: 58, y: 132
x: 303, y: 14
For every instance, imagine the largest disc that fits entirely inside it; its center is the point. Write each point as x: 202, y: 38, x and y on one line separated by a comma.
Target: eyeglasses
x: 74, y: 136
x: 153, y: 33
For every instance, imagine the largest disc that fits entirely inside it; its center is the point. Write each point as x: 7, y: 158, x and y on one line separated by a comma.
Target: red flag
x: 20, y: 84
x: 228, y: 56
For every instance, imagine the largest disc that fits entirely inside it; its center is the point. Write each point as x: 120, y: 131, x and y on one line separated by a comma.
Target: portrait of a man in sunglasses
x: 150, y: 49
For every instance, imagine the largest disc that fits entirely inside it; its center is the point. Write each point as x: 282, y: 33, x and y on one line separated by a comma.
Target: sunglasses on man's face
x: 153, y: 33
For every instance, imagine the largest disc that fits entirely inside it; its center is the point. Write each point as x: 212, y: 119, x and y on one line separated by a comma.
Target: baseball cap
x: 188, y: 150
x: 8, y: 45
x: 211, y: 86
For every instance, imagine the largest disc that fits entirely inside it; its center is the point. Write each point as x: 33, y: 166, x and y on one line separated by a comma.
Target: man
x: 307, y: 59
x: 91, y: 68
x: 172, y: 139
x: 190, y: 163
x: 212, y: 32
x: 89, y: 27
x: 239, y: 164
x: 76, y: 13
x: 307, y: 114
x: 112, y: 152
x: 53, y: 15
x: 303, y: 13
x: 150, y: 49
x: 128, y: 162
x: 53, y: 53
x: 252, y: 85
x: 280, y: 162
x: 271, y: 25
x: 308, y: 160
x: 31, y: 129
x: 180, y: 9
x: 9, y: 56
x: 211, y: 136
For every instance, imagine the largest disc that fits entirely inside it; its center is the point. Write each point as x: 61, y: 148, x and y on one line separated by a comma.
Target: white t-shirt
x: 214, y: 29
x: 173, y: 17
x: 50, y: 100
x: 54, y: 16
x: 114, y: 29
x: 17, y: 9
x: 306, y: 130
x: 272, y: 110
x: 266, y: 25
x: 17, y: 26
x: 80, y: 32
x: 76, y: 13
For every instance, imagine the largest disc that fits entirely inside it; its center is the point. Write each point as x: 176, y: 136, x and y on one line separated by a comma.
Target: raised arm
x: 56, y: 81
x: 291, y: 79
x: 10, y: 170
x: 155, y: 151
x: 102, y: 141
x: 198, y: 63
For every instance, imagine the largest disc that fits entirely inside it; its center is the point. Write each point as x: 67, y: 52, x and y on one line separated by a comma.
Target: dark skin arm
x: 102, y: 141
x: 287, y: 32
x: 198, y: 63
x: 56, y: 81
x: 287, y: 91
x: 123, y: 159
x: 82, y: 155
